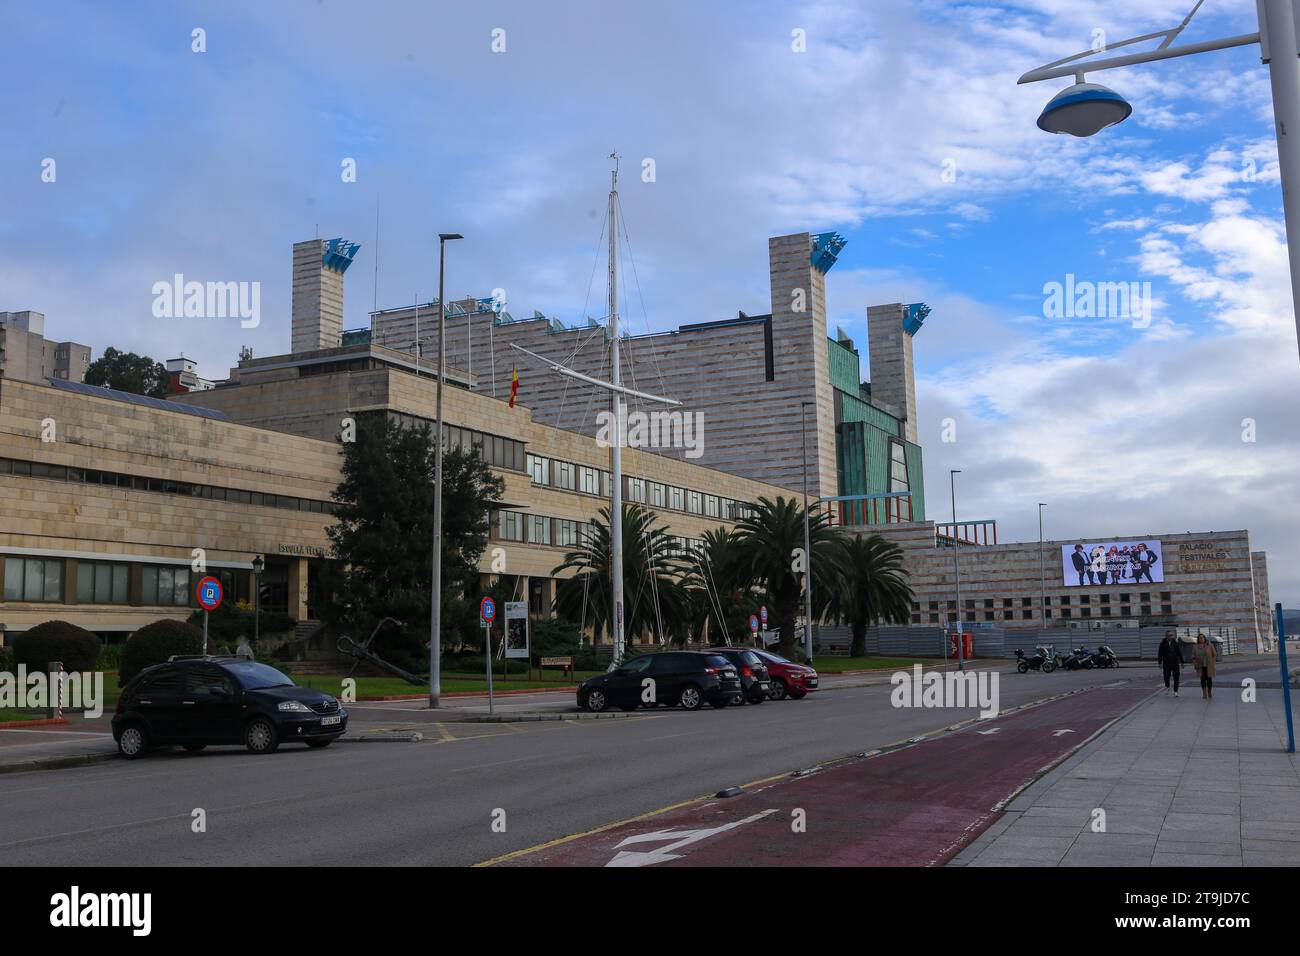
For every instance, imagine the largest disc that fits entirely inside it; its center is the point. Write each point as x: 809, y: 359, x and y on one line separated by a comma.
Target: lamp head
x: 1083, y: 110
x: 258, y: 564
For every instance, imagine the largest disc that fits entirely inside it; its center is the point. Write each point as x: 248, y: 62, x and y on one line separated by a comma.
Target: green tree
x: 873, y: 586
x: 384, y: 525
x: 654, y: 602
x: 771, y: 542
x: 128, y: 372
x: 718, y: 587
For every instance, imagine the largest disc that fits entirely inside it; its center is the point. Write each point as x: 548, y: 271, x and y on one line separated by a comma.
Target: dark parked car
x: 788, y: 678
x: 197, y: 701
x: 688, y: 678
x: 754, y: 680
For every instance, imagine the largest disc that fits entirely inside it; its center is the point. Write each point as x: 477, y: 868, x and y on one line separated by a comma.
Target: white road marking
x: 681, y: 838
x: 1058, y: 733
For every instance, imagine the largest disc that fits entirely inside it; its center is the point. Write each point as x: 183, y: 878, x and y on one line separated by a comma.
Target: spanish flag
x: 514, y: 384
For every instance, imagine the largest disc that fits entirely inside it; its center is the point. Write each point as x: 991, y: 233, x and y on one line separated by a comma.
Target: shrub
x: 154, y: 643
x: 110, y: 657
x: 232, y: 622
x: 57, y: 641
x: 6, y: 660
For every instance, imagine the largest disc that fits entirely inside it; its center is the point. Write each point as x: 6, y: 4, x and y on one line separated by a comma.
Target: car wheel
x: 595, y: 701
x: 778, y: 690
x: 133, y: 743
x: 260, y: 736
x: 798, y: 694
x: 194, y: 748
x: 318, y: 744
x: 691, y: 698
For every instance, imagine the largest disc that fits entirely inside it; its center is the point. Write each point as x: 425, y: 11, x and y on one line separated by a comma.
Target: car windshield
x: 254, y: 676
x: 775, y: 658
x: 717, y: 660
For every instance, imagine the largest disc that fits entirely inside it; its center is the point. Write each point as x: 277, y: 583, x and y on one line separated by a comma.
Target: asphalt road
x: 435, y: 802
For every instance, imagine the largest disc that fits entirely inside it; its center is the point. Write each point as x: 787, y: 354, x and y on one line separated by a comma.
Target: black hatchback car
x: 754, y: 680
x: 196, y: 701
x: 688, y: 678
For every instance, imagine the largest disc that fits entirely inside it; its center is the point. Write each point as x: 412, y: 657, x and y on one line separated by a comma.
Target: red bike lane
x: 917, y: 805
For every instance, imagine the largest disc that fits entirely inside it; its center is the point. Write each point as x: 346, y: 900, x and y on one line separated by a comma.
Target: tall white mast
x: 616, y: 446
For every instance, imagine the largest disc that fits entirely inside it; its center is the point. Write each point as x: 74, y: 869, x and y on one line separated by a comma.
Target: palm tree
x: 873, y: 587
x: 655, y: 602
x: 771, y: 539
x: 717, y: 587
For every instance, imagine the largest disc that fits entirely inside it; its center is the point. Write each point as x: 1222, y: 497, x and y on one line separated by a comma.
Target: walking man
x: 1203, y: 657
x: 1170, y: 658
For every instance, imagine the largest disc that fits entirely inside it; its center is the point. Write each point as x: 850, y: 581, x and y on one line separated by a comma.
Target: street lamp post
x: 956, y: 564
x: 259, y: 565
x: 435, y: 613
x: 1085, y: 108
x: 1042, y: 576
x: 807, y: 539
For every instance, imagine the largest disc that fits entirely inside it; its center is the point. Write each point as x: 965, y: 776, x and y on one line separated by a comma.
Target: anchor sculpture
x: 362, y: 652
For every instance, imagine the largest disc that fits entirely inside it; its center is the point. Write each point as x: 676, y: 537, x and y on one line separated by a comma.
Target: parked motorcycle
x: 1044, y: 660
x: 1105, y: 657
x: 1081, y: 659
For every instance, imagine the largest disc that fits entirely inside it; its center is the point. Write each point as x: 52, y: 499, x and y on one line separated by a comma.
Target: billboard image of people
x: 1111, y: 562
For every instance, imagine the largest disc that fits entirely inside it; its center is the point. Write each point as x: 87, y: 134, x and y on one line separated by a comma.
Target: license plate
x: 763, y: 684
x: 330, y: 721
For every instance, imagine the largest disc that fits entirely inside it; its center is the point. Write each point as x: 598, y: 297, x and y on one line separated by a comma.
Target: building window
x: 511, y: 526
x: 1066, y: 612
x: 1026, y: 602
x: 1027, y: 615
x: 1086, y: 612
x: 540, y: 469
x: 988, y: 602
x: 33, y: 579
x: 1105, y: 599
x: 970, y: 604
x: 566, y: 532
x: 606, y: 484
x: 694, y: 503
x: 1165, y: 596
x: 565, y: 475
x: 1145, y: 597
x: 988, y: 615
x: 1008, y: 615
x: 934, y: 618
x: 1105, y: 611
x: 658, y: 494
x: 1124, y: 598
x: 167, y: 587
x: 711, y: 506
x: 589, y: 480
x: 1145, y: 610
x: 1126, y: 611
x: 1065, y: 599
x: 1006, y: 602
x: 676, y: 499
x: 636, y: 490
x: 916, y: 619
x: 728, y: 509
x: 539, y: 529
x: 1166, y: 609
x: 102, y: 583
x: 897, y: 467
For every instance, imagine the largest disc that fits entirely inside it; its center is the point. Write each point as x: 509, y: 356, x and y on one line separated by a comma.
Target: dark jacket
x: 1170, y: 653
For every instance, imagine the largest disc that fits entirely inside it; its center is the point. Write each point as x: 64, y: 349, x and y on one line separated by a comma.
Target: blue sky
x: 211, y: 164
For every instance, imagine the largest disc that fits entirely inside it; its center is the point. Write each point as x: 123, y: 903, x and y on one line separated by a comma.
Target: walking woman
x: 1203, y: 659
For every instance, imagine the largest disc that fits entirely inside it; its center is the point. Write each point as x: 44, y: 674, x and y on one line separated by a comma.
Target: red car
x: 788, y: 678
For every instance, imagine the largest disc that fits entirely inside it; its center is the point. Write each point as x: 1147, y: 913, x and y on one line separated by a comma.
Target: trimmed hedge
x: 57, y: 641
x: 154, y: 643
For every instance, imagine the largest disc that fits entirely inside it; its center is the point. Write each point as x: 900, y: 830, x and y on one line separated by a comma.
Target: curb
x: 42, y: 722
x: 572, y: 689
x: 520, y: 718
x: 57, y: 763
x: 391, y: 736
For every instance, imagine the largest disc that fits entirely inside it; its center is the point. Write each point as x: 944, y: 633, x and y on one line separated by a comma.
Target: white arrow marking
x: 987, y: 732
x: 1058, y: 733
x: 681, y: 838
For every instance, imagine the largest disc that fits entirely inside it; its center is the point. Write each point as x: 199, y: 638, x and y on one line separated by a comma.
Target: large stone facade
x: 1211, y: 579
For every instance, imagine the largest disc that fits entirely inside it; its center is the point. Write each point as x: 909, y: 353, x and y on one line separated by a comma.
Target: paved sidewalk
x: 1182, y: 781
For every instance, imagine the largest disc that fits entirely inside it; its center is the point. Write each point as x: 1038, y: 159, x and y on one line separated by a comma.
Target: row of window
x: 566, y: 476
x: 94, y: 476
x: 495, y: 450
x: 990, y: 611
x: 565, y: 532
x: 104, y: 582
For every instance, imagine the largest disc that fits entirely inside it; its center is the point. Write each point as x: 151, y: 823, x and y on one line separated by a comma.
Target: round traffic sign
x: 762, y: 613
x: 209, y: 594
x: 753, y: 623
x: 487, y: 610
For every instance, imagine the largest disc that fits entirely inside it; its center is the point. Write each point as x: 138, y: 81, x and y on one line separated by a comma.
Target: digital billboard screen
x: 1112, y: 562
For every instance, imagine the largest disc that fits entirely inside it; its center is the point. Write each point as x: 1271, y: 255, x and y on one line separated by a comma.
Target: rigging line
x: 645, y: 315
x: 654, y: 581
x: 715, y: 599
